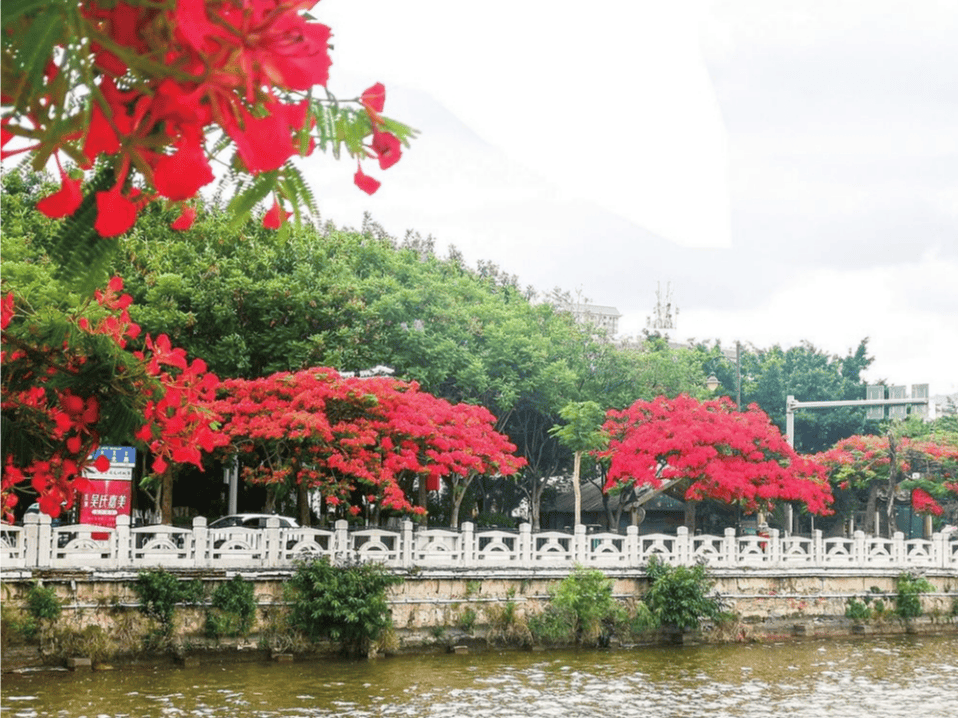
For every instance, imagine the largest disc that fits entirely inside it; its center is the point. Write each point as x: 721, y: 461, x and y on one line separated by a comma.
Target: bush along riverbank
x: 322, y: 610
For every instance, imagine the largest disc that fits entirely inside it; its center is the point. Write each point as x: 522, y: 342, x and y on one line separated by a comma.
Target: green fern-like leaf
x: 82, y: 254
x: 248, y: 195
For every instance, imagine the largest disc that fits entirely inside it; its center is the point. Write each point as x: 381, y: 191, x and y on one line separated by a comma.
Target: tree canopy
x: 721, y: 453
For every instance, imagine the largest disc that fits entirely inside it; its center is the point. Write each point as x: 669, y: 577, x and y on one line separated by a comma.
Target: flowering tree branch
x: 159, y: 90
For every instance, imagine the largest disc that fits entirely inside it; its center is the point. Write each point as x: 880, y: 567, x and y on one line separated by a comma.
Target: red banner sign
x: 110, y: 492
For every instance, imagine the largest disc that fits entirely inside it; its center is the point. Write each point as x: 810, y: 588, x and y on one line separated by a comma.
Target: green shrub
x: 907, y: 602
x: 159, y: 591
x: 16, y: 626
x: 581, y: 609
x: 346, y: 604
x: 679, y: 595
x: 467, y: 620
x: 42, y: 603
x: 506, y: 625
x: 232, y: 609
x: 857, y: 610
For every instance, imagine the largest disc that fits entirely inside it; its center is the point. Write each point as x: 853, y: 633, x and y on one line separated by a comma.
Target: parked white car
x: 252, y: 521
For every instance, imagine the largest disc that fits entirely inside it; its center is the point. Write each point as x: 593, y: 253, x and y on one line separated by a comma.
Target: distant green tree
x: 769, y: 376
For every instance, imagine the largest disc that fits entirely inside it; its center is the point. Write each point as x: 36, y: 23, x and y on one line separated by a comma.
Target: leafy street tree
x: 360, y: 442
x: 865, y: 469
x: 769, y: 376
x: 715, y: 451
x: 581, y: 432
x: 82, y: 83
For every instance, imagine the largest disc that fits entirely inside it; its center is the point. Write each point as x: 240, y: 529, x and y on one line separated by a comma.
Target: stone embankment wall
x: 437, y: 609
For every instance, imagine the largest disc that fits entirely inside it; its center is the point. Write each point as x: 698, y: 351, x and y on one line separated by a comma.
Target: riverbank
x: 442, y: 611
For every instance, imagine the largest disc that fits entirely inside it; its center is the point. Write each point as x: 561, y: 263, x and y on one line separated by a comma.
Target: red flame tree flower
x: 360, y: 442
x: 862, y: 466
x: 151, y: 89
x: 736, y: 457
x: 84, y: 374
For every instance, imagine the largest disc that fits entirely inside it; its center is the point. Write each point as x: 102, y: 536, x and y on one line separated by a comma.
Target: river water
x: 864, y: 678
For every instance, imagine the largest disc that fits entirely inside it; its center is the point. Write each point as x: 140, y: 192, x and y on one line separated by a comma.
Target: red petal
x: 63, y: 202
x: 366, y: 183
x: 185, y: 220
x: 115, y: 213
x: 374, y: 98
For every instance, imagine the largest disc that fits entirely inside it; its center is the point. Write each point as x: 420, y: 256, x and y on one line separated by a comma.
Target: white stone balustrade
x: 38, y: 544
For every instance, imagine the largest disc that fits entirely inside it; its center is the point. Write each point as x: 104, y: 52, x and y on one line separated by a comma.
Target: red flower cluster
x: 358, y: 440
x: 923, y: 503
x: 173, y: 398
x: 729, y: 455
x: 166, y: 78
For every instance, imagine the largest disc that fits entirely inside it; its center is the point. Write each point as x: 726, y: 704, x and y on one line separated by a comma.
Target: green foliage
x: 581, y: 609
x: 910, y: 586
x: 507, y: 625
x: 857, y: 610
x: 768, y: 376
x: 159, y: 592
x: 467, y: 620
x: 16, y: 627
x: 679, y: 595
x: 346, y: 604
x: 232, y: 609
x: 43, y: 604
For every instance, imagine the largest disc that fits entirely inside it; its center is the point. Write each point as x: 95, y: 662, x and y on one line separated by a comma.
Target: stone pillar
x: 939, y: 550
x: 274, y: 542
x: 580, y: 546
x: 468, y: 539
x: 406, y: 544
x: 899, y: 553
x: 123, y: 550
x: 201, y: 539
x: 341, y: 541
x: 31, y: 539
x: 729, y: 548
x: 818, y: 548
x: 683, y: 546
x: 632, y: 546
x: 525, y: 546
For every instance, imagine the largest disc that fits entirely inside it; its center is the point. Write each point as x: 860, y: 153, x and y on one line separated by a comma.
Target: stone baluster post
x: 682, y: 554
x: 773, y: 548
x: 468, y: 539
x: 818, y: 548
x: 860, y: 548
x: 122, y: 543
x: 632, y: 546
x: 33, y: 541
x: 202, y: 553
x: 729, y: 548
x: 341, y: 542
x: 526, y: 553
x: 581, y: 552
x: 899, y: 552
x: 274, y: 542
x: 939, y: 550
x: 407, y: 544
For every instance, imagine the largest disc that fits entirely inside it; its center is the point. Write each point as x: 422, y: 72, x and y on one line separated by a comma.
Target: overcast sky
x: 789, y: 169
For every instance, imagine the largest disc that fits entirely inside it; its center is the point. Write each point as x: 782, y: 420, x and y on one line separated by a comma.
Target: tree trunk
x: 302, y: 504
x: 166, y: 497
x: 871, y: 505
x: 892, y: 485
x: 690, y: 515
x: 459, y: 488
x: 423, y: 501
x: 576, y: 489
